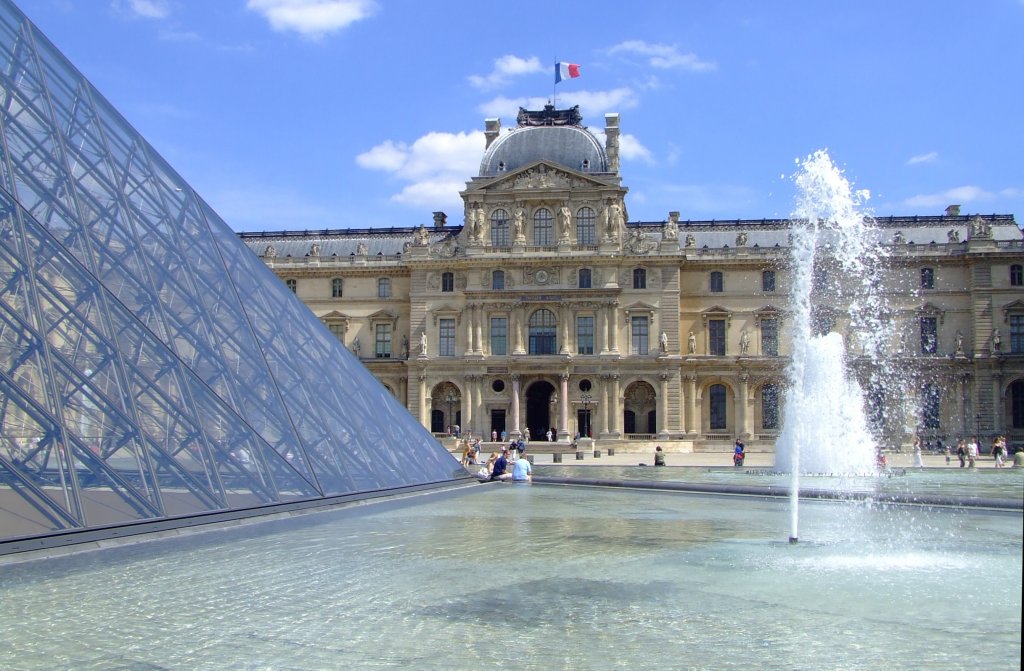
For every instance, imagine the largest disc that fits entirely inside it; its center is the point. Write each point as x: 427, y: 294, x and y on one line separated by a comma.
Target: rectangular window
x: 292, y: 285
x: 383, y: 288
x: 382, y: 345
x: 446, y: 337
x: 499, y: 336
x: 639, y: 335
x: 716, y: 337
x: 769, y: 337
x: 927, y: 278
x: 717, y: 282
x: 639, y: 278
x: 1016, y: 275
x: 1017, y: 334
x: 768, y: 280
x: 929, y: 335
x: 585, y: 278
x: 338, y: 330
x: 584, y: 335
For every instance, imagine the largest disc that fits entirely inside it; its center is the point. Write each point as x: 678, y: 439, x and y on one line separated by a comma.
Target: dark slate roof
x: 568, y: 146
x: 341, y: 242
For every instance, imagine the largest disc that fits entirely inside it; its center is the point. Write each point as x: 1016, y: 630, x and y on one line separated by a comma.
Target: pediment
x: 1014, y: 308
x: 639, y: 306
x: 539, y: 176
x: 383, y: 316
x: 335, y: 316
x: 716, y: 310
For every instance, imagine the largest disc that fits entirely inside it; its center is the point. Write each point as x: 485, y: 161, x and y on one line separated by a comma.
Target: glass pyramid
x: 151, y: 367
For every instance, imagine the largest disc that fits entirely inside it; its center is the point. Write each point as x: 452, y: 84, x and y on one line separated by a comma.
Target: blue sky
x: 311, y: 114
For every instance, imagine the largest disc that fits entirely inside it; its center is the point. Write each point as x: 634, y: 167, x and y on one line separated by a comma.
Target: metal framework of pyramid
x: 151, y: 367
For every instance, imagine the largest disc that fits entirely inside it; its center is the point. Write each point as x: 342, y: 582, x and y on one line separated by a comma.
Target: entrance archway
x: 540, y: 413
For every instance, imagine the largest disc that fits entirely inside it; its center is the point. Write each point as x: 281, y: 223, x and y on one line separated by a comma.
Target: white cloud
x: 960, y: 194
x: 505, y: 68
x: 702, y: 199
x: 593, y: 104
x: 508, y: 108
x: 631, y: 149
x: 930, y: 157
x: 146, y: 9
x: 663, y: 56
x: 312, y: 18
x: 436, y: 165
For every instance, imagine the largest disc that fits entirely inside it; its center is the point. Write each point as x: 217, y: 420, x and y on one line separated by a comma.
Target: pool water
x: 504, y: 576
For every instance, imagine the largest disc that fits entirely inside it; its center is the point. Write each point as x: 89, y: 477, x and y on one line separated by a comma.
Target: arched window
x: 448, y: 282
x: 383, y: 288
x: 770, y: 407
x: 639, y: 278
x: 586, y: 232
x: 717, y: 283
x: 542, y: 227
x: 931, y: 403
x: 542, y: 327
x: 499, y: 228
x: 927, y: 278
x: 498, y: 279
x: 584, y: 276
x: 1017, y: 404
x: 292, y: 284
x: 716, y: 407
x: 336, y: 287
x: 1017, y: 275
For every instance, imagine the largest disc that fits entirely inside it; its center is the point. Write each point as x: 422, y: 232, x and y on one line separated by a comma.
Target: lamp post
x: 451, y: 399
x: 585, y: 400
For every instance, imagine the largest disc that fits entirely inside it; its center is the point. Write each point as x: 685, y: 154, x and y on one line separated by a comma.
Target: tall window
x: 770, y: 407
x: 499, y: 228
x: 931, y: 402
x: 499, y: 336
x: 716, y: 407
x: 716, y: 337
x: 384, y: 288
x: 585, y: 226
x: 292, y: 284
x: 338, y: 330
x: 767, y: 280
x: 1017, y: 334
x: 542, y: 326
x: 639, y: 278
x: 448, y: 282
x: 337, y: 287
x: 585, y: 278
x: 585, y: 335
x: 382, y: 341
x: 716, y: 281
x: 927, y: 278
x: 929, y: 335
x: 1017, y: 275
x: 640, y: 334
x: 769, y: 337
x: 498, y: 279
x: 1017, y: 404
x: 446, y: 337
x: 542, y: 227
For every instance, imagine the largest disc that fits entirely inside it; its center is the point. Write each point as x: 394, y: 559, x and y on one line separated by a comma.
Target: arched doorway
x: 540, y: 409
x: 639, y: 414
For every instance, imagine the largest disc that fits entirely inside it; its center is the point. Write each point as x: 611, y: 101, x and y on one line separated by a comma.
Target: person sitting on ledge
x: 659, y: 456
x: 522, y: 471
x: 739, y: 454
x: 500, y: 470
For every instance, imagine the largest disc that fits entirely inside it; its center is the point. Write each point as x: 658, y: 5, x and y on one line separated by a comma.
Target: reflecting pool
x: 537, y: 577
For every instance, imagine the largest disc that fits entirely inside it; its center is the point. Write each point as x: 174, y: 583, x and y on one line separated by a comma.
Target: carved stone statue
x: 898, y: 239
x: 405, y: 345
x: 953, y: 235
x: 980, y: 228
x: 744, y: 342
x: 960, y: 344
x: 690, y: 240
x: 663, y: 342
x: 997, y: 340
x: 314, y: 249
x: 741, y: 239
x: 691, y: 343
x: 564, y: 223
x: 355, y: 346
x: 361, y: 249
x: 519, y: 224
x: 670, y: 231
x: 421, y: 237
x: 423, y: 343
x: 270, y: 252
x: 616, y: 220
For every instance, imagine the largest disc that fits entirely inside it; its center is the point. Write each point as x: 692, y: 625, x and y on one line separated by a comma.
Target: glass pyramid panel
x: 151, y: 367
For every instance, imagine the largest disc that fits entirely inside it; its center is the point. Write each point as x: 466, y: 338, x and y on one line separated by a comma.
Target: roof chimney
x: 491, y: 129
x: 611, y: 145
x: 953, y: 211
x: 439, y: 219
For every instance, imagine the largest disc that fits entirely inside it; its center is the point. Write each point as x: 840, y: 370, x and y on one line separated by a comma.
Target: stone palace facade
x: 546, y: 309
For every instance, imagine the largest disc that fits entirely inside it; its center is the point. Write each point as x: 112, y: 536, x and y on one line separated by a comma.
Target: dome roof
x: 573, y: 147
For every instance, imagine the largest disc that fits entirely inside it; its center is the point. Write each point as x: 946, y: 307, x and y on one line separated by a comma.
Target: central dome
x: 550, y: 135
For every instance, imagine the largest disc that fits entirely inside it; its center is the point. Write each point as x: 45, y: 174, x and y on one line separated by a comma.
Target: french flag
x: 566, y: 71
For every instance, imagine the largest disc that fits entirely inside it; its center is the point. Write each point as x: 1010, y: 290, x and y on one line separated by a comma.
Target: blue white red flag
x: 566, y: 71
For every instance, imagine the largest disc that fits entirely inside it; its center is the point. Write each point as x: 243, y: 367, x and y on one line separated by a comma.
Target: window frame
x: 383, y: 287
x: 927, y: 277
x: 497, y: 280
x: 587, y: 273
x: 542, y: 337
x: 446, y: 332
x: 383, y: 336
x: 337, y: 287
x: 768, y: 281
x: 543, y: 227
x: 639, y: 335
x: 292, y: 284
x: 717, y: 336
x: 716, y: 282
x: 494, y: 337
x: 585, y: 340
x: 500, y: 229
x: 447, y: 282
x: 1016, y: 275
x: 639, y: 278
x: 586, y: 226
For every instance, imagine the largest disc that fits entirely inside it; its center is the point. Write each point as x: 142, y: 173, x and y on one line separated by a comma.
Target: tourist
x: 467, y: 454
x: 739, y: 453
x: 500, y: 469
x: 494, y: 436
x: 548, y: 435
x: 522, y: 471
x: 526, y: 434
x: 491, y: 460
x: 972, y: 453
x: 918, y: 458
x: 999, y: 450
x: 659, y: 456
x: 961, y: 452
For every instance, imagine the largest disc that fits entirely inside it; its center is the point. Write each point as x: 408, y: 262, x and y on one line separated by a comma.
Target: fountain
x: 833, y: 262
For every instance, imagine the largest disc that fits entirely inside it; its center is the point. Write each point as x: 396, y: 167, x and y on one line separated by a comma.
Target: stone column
x: 469, y: 329
x: 480, y: 318
x: 602, y: 413
x: 616, y: 407
x: 566, y: 316
x: 517, y: 331
x: 663, y: 405
x: 613, y: 330
x: 563, y: 407
x: 601, y: 330
x: 515, y: 429
x: 692, y: 421
x: 467, y: 404
x: 423, y: 400
x: 403, y: 392
x: 743, y: 411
